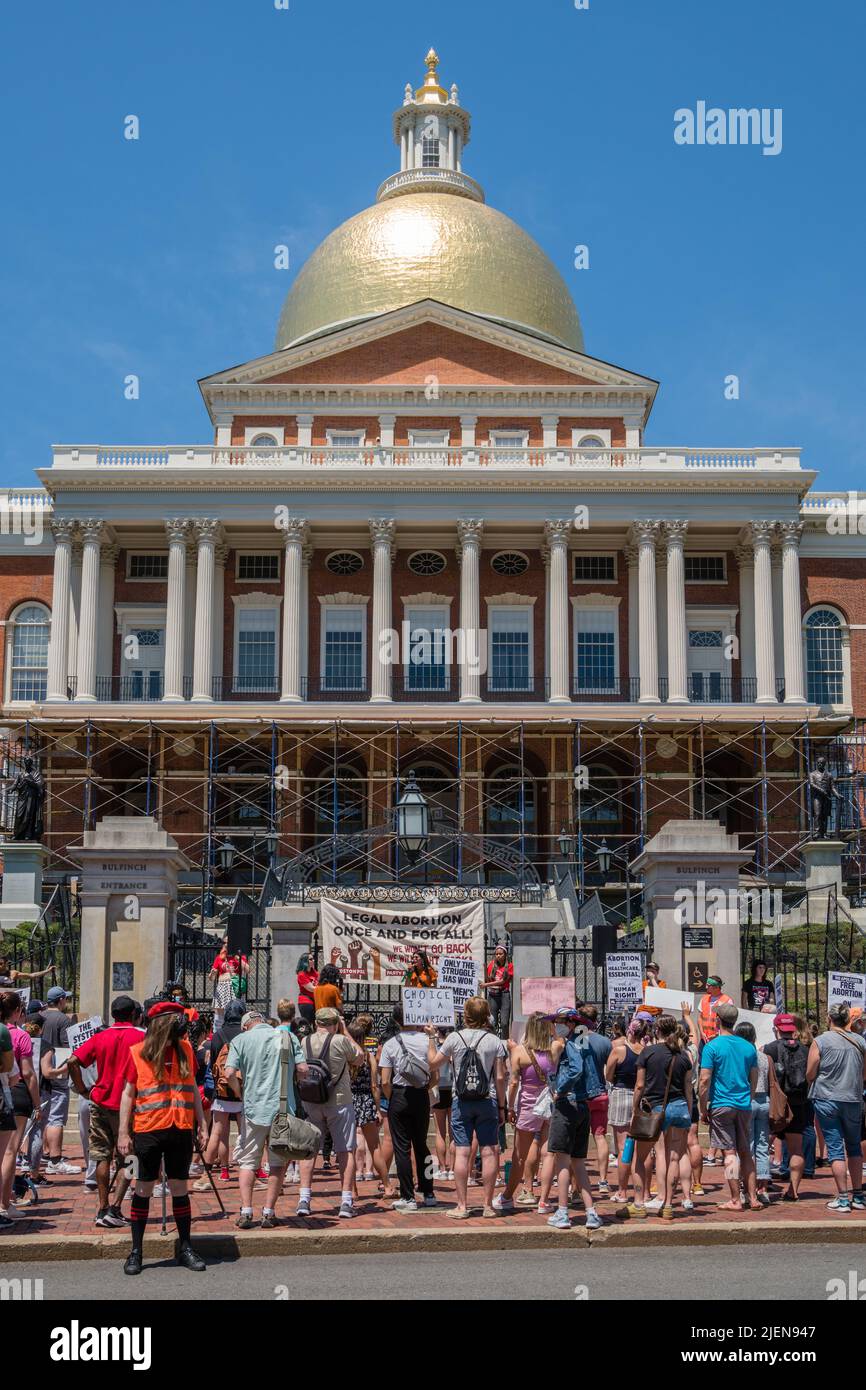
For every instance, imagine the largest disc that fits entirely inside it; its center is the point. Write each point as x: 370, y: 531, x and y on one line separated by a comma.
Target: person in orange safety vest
x: 160, y: 1111
x: 707, y: 1020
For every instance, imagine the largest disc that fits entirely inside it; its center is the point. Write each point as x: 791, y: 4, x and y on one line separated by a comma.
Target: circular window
x: 510, y: 562
x: 426, y: 562
x: 264, y: 441
x: 344, y: 562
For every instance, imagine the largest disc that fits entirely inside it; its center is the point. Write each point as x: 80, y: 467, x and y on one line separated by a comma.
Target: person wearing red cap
x: 789, y: 1057
x: 159, y: 1112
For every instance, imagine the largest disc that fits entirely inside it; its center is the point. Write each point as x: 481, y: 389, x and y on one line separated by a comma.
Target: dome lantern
x: 431, y: 129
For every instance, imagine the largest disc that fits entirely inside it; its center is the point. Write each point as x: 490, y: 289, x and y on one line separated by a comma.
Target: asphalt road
x: 769, y: 1273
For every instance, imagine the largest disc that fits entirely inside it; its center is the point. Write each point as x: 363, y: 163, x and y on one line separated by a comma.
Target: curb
x: 248, y: 1244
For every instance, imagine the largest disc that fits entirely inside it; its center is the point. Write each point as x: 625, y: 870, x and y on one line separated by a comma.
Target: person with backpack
x: 568, y: 1137
x: 405, y: 1077
x: 477, y: 1059
x: 226, y: 1103
x: 836, y: 1071
x: 789, y: 1056
x: 325, y: 1090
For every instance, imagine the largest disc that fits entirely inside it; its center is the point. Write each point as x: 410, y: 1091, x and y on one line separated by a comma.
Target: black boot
x: 186, y: 1256
x: 133, y: 1262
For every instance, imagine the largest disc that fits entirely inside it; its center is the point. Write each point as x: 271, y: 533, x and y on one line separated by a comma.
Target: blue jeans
x: 840, y: 1125
x: 474, y: 1117
x: 677, y: 1115
x: 761, y: 1136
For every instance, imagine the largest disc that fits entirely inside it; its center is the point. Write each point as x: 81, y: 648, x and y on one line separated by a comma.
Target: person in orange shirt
x: 328, y: 993
x: 652, y: 978
x: 420, y: 974
x: 160, y: 1110
x: 708, y: 1022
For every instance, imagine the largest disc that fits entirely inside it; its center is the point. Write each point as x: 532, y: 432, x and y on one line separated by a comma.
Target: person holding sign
x: 420, y: 974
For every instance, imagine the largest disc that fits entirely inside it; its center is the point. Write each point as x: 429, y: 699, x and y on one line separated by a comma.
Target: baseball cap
x: 34, y: 1007
x: 327, y: 1016
x: 784, y: 1023
x: 55, y: 994
x: 566, y: 1015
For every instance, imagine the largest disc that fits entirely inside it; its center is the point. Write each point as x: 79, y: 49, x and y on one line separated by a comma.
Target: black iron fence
x: 48, y: 949
x: 191, y: 957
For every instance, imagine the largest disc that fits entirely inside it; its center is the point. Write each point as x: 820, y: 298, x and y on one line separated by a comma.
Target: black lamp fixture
x: 413, y: 820
x: 226, y: 856
x: 566, y: 843
x: 604, y: 855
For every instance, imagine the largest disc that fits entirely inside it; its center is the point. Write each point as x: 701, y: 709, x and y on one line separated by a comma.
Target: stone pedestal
x: 823, y: 861
x: 291, y: 931
x: 129, y: 871
x: 23, y: 863
x: 695, y: 931
x: 530, y: 929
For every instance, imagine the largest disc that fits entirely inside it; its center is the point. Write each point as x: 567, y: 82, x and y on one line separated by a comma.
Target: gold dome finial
x: 431, y: 91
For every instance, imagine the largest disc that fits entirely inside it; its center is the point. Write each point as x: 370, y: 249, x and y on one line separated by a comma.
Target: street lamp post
x: 412, y: 820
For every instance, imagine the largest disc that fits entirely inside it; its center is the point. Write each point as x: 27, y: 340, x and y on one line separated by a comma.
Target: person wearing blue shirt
x: 729, y: 1075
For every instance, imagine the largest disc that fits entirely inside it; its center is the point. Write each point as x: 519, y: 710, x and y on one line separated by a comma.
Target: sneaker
x: 604, y: 1188
x: 118, y: 1217
x: 262, y: 1175
x: 161, y: 1189
x: 654, y: 1204
x: 688, y: 1207
x: 106, y: 1217
x: 203, y: 1185
x: 839, y: 1204
x: 91, y: 1187
x: 224, y: 1175
x: 303, y: 1207
x: 594, y: 1222
x: 544, y: 1207
x: 5, y: 1223
x: 502, y: 1203
x: 450, y: 1174
x: 244, y: 1222
x: 431, y: 1200
x: 272, y: 1220
x: 698, y: 1190
x: 858, y: 1201
x: 560, y: 1220
x: 632, y: 1210
x: 526, y: 1199
x: 405, y: 1208
x: 764, y: 1198
x: 62, y: 1167
x: 11, y: 1215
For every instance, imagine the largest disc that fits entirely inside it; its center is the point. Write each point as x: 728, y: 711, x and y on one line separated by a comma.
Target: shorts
x: 104, y: 1125
x: 226, y: 1107
x: 249, y: 1153
x: 840, y: 1125
x: 336, y: 1120
x: 803, y: 1117
x: 620, y: 1106
x: 21, y: 1102
x: 527, y: 1120
x: 173, y: 1145
x: 731, y: 1129
x: 569, y: 1128
x: 677, y: 1115
x: 446, y: 1096
x: 57, y: 1102
x: 598, y: 1107
x: 475, y: 1117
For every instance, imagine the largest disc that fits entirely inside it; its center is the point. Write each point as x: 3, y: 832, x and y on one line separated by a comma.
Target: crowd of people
x: 555, y: 1115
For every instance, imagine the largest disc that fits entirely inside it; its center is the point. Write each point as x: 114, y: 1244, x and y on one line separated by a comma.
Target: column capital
x: 295, y: 530
x: 304, y: 421
x: 745, y: 556
x: 550, y: 420
x: 761, y: 532
x: 470, y: 530
x: 631, y: 553
x: 63, y: 530
x: 557, y: 530
x: 790, y: 533
x: 207, y: 530
x: 109, y: 554
x: 388, y: 421
x: 674, y: 532
x: 177, y: 529
x: 468, y: 422
x: 382, y: 530
x: 646, y: 532
x: 220, y: 555
x: 92, y: 530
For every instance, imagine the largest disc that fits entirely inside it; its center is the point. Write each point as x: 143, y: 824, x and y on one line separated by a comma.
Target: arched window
x: 29, y: 677
x: 825, y: 672
x: 264, y: 441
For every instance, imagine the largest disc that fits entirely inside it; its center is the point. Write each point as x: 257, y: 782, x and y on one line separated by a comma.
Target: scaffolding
x: 306, y: 806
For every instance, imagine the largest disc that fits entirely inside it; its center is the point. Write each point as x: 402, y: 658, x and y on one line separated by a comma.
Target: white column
x: 662, y: 614
x: 746, y: 567
x: 306, y: 559
x: 175, y: 610
x: 557, y: 533
x: 293, y: 559
x: 632, y: 431
x: 778, y: 607
x: 792, y: 613
x: 189, y: 618
x: 675, y: 535
x: 631, y: 559
x: 382, y: 531
x: 207, y: 530
x: 386, y: 431
x: 765, y: 659
x: 91, y: 535
x: 469, y: 533
x: 550, y: 425
x: 58, y: 645
x: 452, y: 146
x: 74, y: 608
x: 219, y: 590
x: 105, y: 636
x: 646, y: 533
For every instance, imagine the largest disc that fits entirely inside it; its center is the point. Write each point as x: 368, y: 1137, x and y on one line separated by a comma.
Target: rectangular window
x: 595, y: 651
x: 595, y: 568
x: 260, y: 567
x: 345, y: 441
x: 344, y: 632
x: 427, y: 660
x: 148, y: 567
x: 510, y: 658
x: 705, y: 569
x: 256, y: 667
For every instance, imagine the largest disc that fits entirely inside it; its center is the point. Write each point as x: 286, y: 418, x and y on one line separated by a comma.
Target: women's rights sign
x: 375, y: 943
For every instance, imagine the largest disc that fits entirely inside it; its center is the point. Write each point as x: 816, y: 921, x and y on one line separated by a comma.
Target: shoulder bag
x: 646, y: 1124
x: 291, y: 1137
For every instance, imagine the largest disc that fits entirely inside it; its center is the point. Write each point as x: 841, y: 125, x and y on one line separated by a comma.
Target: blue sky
x: 261, y: 126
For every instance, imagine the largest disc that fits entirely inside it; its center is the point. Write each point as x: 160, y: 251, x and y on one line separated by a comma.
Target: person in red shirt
x: 308, y: 978
x: 229, y: 977
x: 108, y: 1052
x: 500, y: 977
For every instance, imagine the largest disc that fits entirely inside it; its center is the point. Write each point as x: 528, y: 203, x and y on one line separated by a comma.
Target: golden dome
x: 430, y: 246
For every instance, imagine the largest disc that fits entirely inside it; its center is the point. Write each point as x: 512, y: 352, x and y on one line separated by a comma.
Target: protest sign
x: 544, y: 995
x: 762, y: 1024
x: 669, y: 1000
x: 373, y: 943
x: 80, y: 1032
x: 624, y: 973
x: 421, y: 1007
x: 460, y: 975
x: 844, y: 988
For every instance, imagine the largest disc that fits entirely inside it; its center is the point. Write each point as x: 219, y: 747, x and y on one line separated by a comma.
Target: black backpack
x: 473, y: 1083
x: 791, y: 1071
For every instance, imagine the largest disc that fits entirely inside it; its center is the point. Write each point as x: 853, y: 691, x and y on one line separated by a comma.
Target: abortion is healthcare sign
x: 375, y: 943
